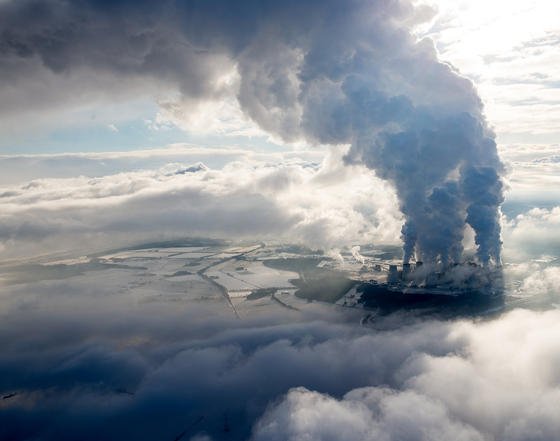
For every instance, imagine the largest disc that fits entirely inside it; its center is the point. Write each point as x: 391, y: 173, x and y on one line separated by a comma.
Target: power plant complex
x: 453, y: 279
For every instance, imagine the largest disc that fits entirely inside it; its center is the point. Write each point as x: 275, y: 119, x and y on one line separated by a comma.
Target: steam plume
x: 328, y: 71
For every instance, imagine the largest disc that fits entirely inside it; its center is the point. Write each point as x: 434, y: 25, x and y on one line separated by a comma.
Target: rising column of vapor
x: 328, y: 71
x: 360, y: 77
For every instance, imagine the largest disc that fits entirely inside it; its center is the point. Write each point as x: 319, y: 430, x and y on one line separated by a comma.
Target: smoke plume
x: 327, y: 71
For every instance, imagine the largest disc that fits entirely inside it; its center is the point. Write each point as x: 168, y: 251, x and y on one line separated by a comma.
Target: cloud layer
x: 498, y: 381
x: 314, y: 374
x: 50, y: 201
x: 290, y: 198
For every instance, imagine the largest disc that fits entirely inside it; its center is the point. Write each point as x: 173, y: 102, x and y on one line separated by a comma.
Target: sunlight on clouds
x: 509, y: 49
x: 495, y: 380
x: 283, y: 197
x: 535, y: 233
x: 221, y: 115
x: 498, y: 25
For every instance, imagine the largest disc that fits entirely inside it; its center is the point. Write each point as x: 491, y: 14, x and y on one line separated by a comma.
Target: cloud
x: 363, y: 414
x: 541, y: 282
x: 19, y: 169
x: 511, y: 55
x: 533, y: 172
x: 296, y: 200
x: 315, y: 375
x: 308, y: 196
x: 533, y: 234
x: 499, y: 382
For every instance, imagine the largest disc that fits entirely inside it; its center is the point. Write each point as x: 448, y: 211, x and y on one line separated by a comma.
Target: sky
x: 431, y: 126
x: 510, y: 51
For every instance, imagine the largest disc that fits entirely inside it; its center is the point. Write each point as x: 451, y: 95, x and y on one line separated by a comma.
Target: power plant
x: 453, y: 279
x: 448, y: 290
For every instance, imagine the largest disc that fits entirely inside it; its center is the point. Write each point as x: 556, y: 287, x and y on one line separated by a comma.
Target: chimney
x: 393, y: 276
x: 406, y: 270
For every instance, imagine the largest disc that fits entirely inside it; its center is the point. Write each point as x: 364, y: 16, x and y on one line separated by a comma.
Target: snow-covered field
x: 246, y: 276
x: 134, y: 278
